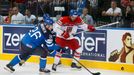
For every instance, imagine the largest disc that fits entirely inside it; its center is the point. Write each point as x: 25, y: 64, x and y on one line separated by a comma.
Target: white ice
x: 32, y: 69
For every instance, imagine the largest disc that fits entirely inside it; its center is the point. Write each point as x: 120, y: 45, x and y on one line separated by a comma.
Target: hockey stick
x: 110, y: 24
x: 106, y: 25
x: 97, y: 73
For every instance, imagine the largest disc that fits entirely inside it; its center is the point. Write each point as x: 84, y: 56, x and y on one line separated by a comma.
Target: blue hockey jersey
x: 35, y: 37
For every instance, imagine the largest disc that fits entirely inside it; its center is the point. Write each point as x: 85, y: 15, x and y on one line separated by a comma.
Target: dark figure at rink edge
x: 32, y: 41
x: 65, y: 27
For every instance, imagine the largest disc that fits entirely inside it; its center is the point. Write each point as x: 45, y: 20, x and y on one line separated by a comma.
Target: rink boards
x: 97, y: 47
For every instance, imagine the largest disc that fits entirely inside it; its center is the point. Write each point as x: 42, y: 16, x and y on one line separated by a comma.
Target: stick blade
x: 98, y: 73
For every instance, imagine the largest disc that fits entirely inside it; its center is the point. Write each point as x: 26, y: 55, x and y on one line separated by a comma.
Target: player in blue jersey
x: 33, y: 41
x: 50, y: 43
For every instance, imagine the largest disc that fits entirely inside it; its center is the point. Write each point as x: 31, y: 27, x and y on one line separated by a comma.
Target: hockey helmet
x: 48, y: 21
x: 46, y: 16
x: 73, y: 13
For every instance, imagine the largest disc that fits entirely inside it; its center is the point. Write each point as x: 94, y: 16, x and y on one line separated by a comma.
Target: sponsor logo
x: 93, y: 45
x: 12, y: 37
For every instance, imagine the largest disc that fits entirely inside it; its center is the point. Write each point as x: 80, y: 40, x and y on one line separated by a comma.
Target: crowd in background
x: 96, y: 12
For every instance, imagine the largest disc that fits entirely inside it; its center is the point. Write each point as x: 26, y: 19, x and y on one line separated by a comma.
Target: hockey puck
x: 122, y: 68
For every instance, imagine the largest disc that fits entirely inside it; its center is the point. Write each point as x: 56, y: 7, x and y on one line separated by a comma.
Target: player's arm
x: 86, y: 27
x: 57, y: 27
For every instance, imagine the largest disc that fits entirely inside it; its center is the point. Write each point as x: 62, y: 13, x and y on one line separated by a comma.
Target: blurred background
x: 95, y: 12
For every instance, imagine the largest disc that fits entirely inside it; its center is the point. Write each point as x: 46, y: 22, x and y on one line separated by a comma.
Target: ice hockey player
x: 65, y: 27
x: 50, y: 43
x: 32, y: 41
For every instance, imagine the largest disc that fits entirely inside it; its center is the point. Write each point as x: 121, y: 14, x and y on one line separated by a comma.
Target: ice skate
x: 9, y: 68
x: 74, y: 65
x: 44, y: 71
x: 54, y: 67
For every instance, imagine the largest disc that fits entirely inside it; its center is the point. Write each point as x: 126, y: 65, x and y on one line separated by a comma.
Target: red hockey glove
x: 65, y: 34
x: 91, y: 28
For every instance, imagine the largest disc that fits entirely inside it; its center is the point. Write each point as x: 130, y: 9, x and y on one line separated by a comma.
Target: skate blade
x: 6, y: 68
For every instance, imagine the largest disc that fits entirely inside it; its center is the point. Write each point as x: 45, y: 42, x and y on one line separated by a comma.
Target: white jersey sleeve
x: 84, y: 26
x: 57, y: 28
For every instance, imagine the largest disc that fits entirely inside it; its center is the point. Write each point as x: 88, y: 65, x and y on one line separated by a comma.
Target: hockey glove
x: 91, y: 28
x: 65, y: 34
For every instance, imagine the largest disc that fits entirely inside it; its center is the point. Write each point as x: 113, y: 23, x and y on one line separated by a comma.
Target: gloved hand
x: 91, y: 28
x: 65, y: 34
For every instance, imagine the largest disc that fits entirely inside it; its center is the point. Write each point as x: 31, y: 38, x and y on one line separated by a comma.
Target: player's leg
x: 43, y: 62
x: 62, y: 43
x: 24, y: 60
x: 53, y: 49
x: 74, y: 45
x: 57, y: 59
x: 13, y: 62
x: 25, y: 51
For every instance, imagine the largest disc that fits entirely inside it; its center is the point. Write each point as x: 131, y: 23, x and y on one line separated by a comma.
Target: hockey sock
x: 76, y: 56
x: 57, y: 57
x: 42, y: 63
x: 15, y: 60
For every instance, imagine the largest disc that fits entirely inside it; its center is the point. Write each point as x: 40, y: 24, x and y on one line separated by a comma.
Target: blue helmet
x: 45, y: 16
x: 48, y: 21
x: 73, y: 12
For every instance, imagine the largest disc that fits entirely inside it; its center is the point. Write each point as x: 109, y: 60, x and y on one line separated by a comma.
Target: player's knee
x: 58, y: 53
x: 44, y: 54
x: 21, y: 57
x: 24, y: 55
x: 79, y: 50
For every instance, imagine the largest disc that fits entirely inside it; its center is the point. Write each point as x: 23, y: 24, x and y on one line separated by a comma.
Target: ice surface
x: 32, y: 69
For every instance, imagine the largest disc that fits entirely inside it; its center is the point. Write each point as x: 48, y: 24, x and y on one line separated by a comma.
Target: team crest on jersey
x: 69, y: 29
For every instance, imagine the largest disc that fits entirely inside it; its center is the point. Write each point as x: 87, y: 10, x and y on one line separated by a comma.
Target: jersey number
x: 35, y: 33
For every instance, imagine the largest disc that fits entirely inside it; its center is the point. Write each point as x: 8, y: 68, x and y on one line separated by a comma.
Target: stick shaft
x: 83, y: 66
x: 110, y: 24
